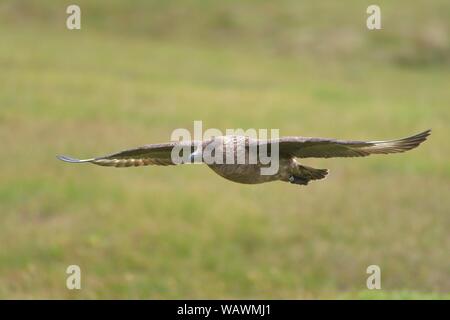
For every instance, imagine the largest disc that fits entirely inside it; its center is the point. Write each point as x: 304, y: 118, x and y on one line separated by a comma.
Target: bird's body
x: 250, y: 173
x: 232, y: 157
x: 237, y: 147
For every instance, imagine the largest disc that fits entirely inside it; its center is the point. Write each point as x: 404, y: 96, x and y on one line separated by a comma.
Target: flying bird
x: 290, y: 150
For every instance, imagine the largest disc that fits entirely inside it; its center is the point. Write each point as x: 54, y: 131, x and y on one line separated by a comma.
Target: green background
x: 137, y: 70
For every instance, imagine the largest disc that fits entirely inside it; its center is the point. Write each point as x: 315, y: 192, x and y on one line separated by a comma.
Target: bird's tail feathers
x: 303, y: 174
x: 312, y: 173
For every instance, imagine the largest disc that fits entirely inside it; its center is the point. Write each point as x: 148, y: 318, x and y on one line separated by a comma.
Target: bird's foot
x: 298, y: 180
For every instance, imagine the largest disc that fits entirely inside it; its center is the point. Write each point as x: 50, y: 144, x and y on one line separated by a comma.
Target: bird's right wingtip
x: 426, y: 132
x: 420, y: 136
x: 72, y: 160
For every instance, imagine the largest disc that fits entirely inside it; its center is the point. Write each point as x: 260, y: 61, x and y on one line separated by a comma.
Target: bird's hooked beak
x: 196, y: 156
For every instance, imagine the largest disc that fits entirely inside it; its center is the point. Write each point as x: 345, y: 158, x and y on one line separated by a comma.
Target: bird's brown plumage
x: 290, y: 148
x: 330, y: 148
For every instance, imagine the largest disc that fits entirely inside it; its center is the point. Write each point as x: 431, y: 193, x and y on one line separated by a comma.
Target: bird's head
x: 196, y: 156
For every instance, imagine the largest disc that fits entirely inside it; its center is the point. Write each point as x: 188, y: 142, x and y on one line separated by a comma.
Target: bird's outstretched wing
x: 328, y: 148
x: 152, y: 154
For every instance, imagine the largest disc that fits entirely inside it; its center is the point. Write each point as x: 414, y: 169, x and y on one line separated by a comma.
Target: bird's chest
x: 242, y: 173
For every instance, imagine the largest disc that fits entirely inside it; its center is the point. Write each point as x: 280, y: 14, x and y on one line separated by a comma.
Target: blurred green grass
x: 137, y: 71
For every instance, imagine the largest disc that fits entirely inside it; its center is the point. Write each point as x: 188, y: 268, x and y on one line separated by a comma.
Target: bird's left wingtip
x: 72, y: 160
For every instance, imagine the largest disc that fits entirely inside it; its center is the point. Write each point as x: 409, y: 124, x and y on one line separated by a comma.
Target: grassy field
x: 135, y: 72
